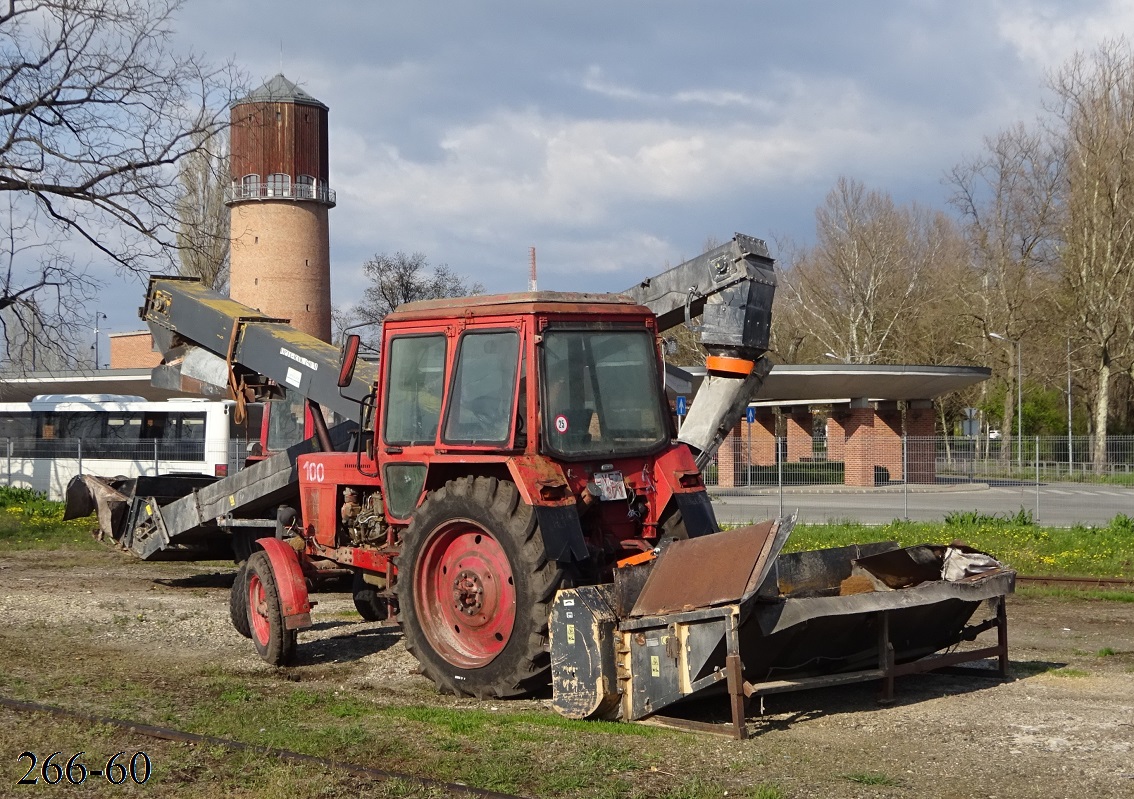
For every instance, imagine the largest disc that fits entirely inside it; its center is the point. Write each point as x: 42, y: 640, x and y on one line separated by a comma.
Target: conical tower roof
x: 281, y: 90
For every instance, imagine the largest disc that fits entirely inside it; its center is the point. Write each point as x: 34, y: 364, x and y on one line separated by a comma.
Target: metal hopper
x: 727, y: 613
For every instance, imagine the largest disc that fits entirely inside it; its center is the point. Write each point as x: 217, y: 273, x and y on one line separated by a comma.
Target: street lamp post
x: 98, y: 315
x: 1070, y: 440
x: 1019, y: 398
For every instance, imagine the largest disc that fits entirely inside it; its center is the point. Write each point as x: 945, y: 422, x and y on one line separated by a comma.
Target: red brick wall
x: 836, y: 437
x: 729, y: 458
x: 133, y: 351
x: 859, y: 427
x: 888, y: 441
x: 799, y: 436
x: 280, y: 262
x: 762, y: 451
x: 922, y: 452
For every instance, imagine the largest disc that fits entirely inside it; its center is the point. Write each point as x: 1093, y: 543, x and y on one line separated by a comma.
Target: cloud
x: 533, y: 167
x: 1045, y: 33
x: 615, y: 139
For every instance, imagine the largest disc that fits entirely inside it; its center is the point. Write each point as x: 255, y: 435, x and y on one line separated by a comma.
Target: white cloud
x: 517, y: 168
x: 1046, y: 34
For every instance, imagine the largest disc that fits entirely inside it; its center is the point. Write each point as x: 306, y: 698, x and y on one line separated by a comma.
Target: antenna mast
x: 532, y: 276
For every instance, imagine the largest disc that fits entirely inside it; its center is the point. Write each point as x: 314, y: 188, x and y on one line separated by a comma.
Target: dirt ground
x: 1062, y: 727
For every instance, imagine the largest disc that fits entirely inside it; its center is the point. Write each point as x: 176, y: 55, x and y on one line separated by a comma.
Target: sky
x: 617, y: 137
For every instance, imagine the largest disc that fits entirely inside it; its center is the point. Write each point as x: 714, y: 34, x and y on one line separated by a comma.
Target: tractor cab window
x: 285, y: 423
x: 601, y: 393
x: 480, y: 403
x: 415, y: 377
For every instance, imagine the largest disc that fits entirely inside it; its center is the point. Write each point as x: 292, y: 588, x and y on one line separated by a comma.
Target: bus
x: 45, y: 442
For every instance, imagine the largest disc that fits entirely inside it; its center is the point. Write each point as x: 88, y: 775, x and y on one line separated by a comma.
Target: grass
x: 1074, y: 594
x: 871, y: 778
x: 28, y: 520
x: 528, y: 751
x: 1084, y: 551
x: 1070, y: 673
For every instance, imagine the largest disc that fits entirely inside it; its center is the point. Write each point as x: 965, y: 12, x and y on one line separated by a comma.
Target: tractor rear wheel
x: 274, y: 642
x: 475, y: 588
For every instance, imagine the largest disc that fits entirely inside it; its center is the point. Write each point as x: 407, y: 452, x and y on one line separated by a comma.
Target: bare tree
x: 203, y: 233
x: 96, y: 111
x: 1094, y: 115
x: 867, y: 275
x: 1009, y: 200
x: 400, y: 278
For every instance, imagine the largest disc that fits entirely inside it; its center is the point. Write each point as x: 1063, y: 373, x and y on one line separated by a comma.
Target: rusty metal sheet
x: 901, y: 568
x: 706, y: 571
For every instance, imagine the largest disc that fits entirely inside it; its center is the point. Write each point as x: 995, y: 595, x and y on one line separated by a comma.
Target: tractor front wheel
x: 274, y: 642
x: 238, y: 602
x: 474, y: 589
x: 367, y: 601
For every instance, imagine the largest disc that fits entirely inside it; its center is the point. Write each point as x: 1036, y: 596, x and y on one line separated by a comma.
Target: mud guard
x: 562, y: 533
x: 697, y: 513
x: 294, y: 602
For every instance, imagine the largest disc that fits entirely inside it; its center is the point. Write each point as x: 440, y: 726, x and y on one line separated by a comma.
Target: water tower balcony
x: 251, y: 191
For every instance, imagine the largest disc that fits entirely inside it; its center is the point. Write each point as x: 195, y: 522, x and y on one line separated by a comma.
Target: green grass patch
x: 871, y: 778
x: 29, y: 520
x: 1073, y: 594
x: 1106, y: 652
x: 1070, y: 673
x: 1085, y: 551
x: 461, y: 720
x: 765, y: 792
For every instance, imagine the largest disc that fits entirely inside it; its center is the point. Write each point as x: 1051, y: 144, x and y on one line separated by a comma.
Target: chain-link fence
x: 1057, y: 480
x: 47, y: 465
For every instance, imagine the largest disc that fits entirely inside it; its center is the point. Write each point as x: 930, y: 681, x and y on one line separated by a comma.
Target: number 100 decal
x: 314, y: 472
x: 116, y: 771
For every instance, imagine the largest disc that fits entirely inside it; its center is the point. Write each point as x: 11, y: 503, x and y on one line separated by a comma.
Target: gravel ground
x: 1063, y: 727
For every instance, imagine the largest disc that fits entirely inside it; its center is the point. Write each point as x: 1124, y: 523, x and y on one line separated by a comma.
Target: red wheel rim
x: 258, y: 609
x: 465, y: 595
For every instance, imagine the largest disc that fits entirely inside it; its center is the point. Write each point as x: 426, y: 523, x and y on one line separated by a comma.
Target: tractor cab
x: 562, y: 378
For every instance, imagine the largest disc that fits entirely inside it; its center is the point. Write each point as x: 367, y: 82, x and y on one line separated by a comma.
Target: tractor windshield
x: 601, y: 393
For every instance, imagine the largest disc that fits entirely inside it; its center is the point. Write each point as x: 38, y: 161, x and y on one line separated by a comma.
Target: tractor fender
x: 290, y: 582
x: 542, y: 485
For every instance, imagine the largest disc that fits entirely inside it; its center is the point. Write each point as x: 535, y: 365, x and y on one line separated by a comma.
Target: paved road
x: 1059, y: 505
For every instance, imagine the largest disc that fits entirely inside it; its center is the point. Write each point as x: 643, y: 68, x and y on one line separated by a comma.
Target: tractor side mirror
x: 350, y: 360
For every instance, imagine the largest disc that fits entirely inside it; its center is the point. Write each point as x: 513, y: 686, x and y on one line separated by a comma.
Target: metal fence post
x: 9, y: 461
x: 155, y: 458
x: 79, y: 449
x: 906, y: 476
x: 748, y: 457
x: 780, y: 476
x: 1037, y: 518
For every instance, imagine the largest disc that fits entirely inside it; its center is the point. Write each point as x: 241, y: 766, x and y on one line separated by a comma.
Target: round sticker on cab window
x: 561, y: 423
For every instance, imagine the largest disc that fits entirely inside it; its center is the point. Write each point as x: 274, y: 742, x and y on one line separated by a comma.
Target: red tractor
x: 518, y: 442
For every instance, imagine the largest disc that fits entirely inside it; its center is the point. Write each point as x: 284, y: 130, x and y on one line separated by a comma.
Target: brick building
x: 868, y: 410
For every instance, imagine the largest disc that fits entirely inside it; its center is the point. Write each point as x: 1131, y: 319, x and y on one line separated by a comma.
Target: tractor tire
x: 475, y: 588
x: 238, y: 602
x: 274, y: 643
x: 369, y: 605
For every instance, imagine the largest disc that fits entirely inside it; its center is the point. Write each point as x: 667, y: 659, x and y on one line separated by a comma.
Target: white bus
x: 45, y: 442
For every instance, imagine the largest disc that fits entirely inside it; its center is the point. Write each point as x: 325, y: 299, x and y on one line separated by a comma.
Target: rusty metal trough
x: 727, y: 614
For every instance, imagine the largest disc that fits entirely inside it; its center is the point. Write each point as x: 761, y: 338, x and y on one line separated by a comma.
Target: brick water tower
x: 278, y: 202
